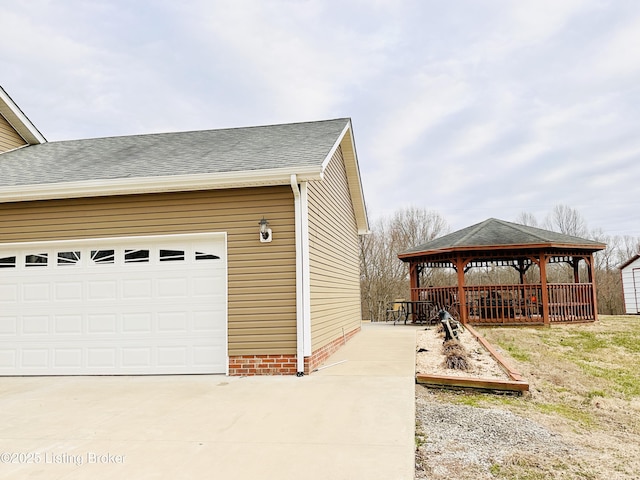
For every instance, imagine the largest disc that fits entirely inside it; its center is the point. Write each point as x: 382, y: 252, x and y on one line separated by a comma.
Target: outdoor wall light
x: 265, y: 232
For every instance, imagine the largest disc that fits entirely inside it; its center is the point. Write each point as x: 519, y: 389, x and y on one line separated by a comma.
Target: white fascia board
x: 357, y: 195
x: 172, y: 183
x: 360, y: 205
x: 18, y: 120
x: 327, y: 159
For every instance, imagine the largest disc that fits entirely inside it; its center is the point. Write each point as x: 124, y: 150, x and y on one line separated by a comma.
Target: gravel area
x: 459, y: 441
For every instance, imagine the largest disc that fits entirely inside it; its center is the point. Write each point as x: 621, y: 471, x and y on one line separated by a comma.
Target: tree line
x: 385, y: 278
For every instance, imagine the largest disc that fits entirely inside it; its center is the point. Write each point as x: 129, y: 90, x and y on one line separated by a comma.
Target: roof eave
x: 159, y: 184
x: 408, y: 255
x: 18, y: 120
x: 629, y: 262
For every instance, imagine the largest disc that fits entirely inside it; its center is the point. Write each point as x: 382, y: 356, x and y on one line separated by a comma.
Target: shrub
x: 455, y: 355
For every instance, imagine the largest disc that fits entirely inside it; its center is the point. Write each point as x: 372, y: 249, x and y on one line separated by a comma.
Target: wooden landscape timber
x: 470, y: 382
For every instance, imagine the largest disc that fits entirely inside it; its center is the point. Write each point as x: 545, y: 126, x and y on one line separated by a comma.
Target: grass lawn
x: 584, y: 384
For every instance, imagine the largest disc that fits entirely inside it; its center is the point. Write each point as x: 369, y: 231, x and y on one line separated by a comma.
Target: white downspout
x: 299, y: 279
x: 306, y: 270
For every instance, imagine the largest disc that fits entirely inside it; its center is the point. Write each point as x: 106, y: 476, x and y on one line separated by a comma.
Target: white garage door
x: 140, y: 305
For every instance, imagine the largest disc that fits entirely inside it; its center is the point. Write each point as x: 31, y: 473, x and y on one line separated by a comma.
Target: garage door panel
x: 171, y: 356
x: 172, y: 287
x: 172, y: 322
x: 115, y: 307
x: 35, y: 325
x: 205, y: 286
x: 102, y: 290
x: 205, y: 355
x: 68, y: 324
x: 8, y: 294
x: 8, y: 326
x: 137, y: 288
x: 35, y: 292
x: 35, y: 358
x: 136, y: 323
x: 67, y: 357
x: 102, y: 323
x: 68, y: 291
x: 102, y: 358
x: 207, y: 321
x: 136, y: 357
x: 8, y: 360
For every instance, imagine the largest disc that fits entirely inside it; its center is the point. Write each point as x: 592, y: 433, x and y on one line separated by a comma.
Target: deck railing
x: 514, y: 304
x: 570, y: 302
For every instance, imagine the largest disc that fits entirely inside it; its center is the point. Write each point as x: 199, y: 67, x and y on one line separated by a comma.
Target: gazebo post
x: 460, y: 264
x: 576, y: 269
x: 543, y: 286
x: 522, y: 271
x: 594, y: 297
x: 414, y: 276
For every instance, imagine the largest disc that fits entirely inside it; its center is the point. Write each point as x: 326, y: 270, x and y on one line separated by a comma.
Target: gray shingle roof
x: 499, y: 233
x: 166, y: 154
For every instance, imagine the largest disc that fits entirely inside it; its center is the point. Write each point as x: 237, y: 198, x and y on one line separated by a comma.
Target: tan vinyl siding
x: 261, y: 280
x: 333, y: 256
x: 9, y: 138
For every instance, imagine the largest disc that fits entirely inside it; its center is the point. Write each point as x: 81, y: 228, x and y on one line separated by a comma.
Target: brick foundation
x: 250, y: 365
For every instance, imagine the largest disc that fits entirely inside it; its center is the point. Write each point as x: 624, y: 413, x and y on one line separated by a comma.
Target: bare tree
x: 629, y: 247
x: 383, y: 276
x: 414, y: 226
x: 527, y: 218
x: 567, y: 220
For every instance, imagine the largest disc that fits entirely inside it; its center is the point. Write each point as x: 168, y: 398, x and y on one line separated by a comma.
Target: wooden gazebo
x: 496, y: 243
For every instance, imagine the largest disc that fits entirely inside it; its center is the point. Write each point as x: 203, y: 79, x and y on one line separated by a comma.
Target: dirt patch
x: 430, y: 360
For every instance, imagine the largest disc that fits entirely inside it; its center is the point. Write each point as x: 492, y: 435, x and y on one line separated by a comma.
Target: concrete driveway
x: 352, y: 420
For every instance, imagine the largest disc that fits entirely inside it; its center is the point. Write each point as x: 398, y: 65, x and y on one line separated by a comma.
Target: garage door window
x: 37, y: 260
x: 102, y: 256
x: 106, y: 256
x: 206, y: 256
x: 136, y: 256
x: 68, y: 258
x: 8, y: 262
x: 171, y: 255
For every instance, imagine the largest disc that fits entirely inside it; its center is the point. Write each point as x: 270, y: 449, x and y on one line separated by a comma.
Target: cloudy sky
x: 472, y: 108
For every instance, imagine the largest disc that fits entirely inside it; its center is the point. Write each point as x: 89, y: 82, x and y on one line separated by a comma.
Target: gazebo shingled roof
x: 499, y: 234
x: 512, y: 244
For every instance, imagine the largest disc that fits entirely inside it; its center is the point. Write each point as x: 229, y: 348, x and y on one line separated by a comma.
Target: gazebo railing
x: 514, y: 304
x: 441, y: 297
x: 570, y: 302
x: 504, y: 303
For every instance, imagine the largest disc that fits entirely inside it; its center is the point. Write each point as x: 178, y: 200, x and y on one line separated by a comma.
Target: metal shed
x: 630, y: 271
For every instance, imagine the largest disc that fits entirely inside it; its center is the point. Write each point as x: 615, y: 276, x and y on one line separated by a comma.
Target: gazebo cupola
x: 496, y: 243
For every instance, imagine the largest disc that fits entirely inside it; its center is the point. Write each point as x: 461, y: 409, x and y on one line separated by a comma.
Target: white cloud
x: 305, y: 64
x: 619, y: 55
